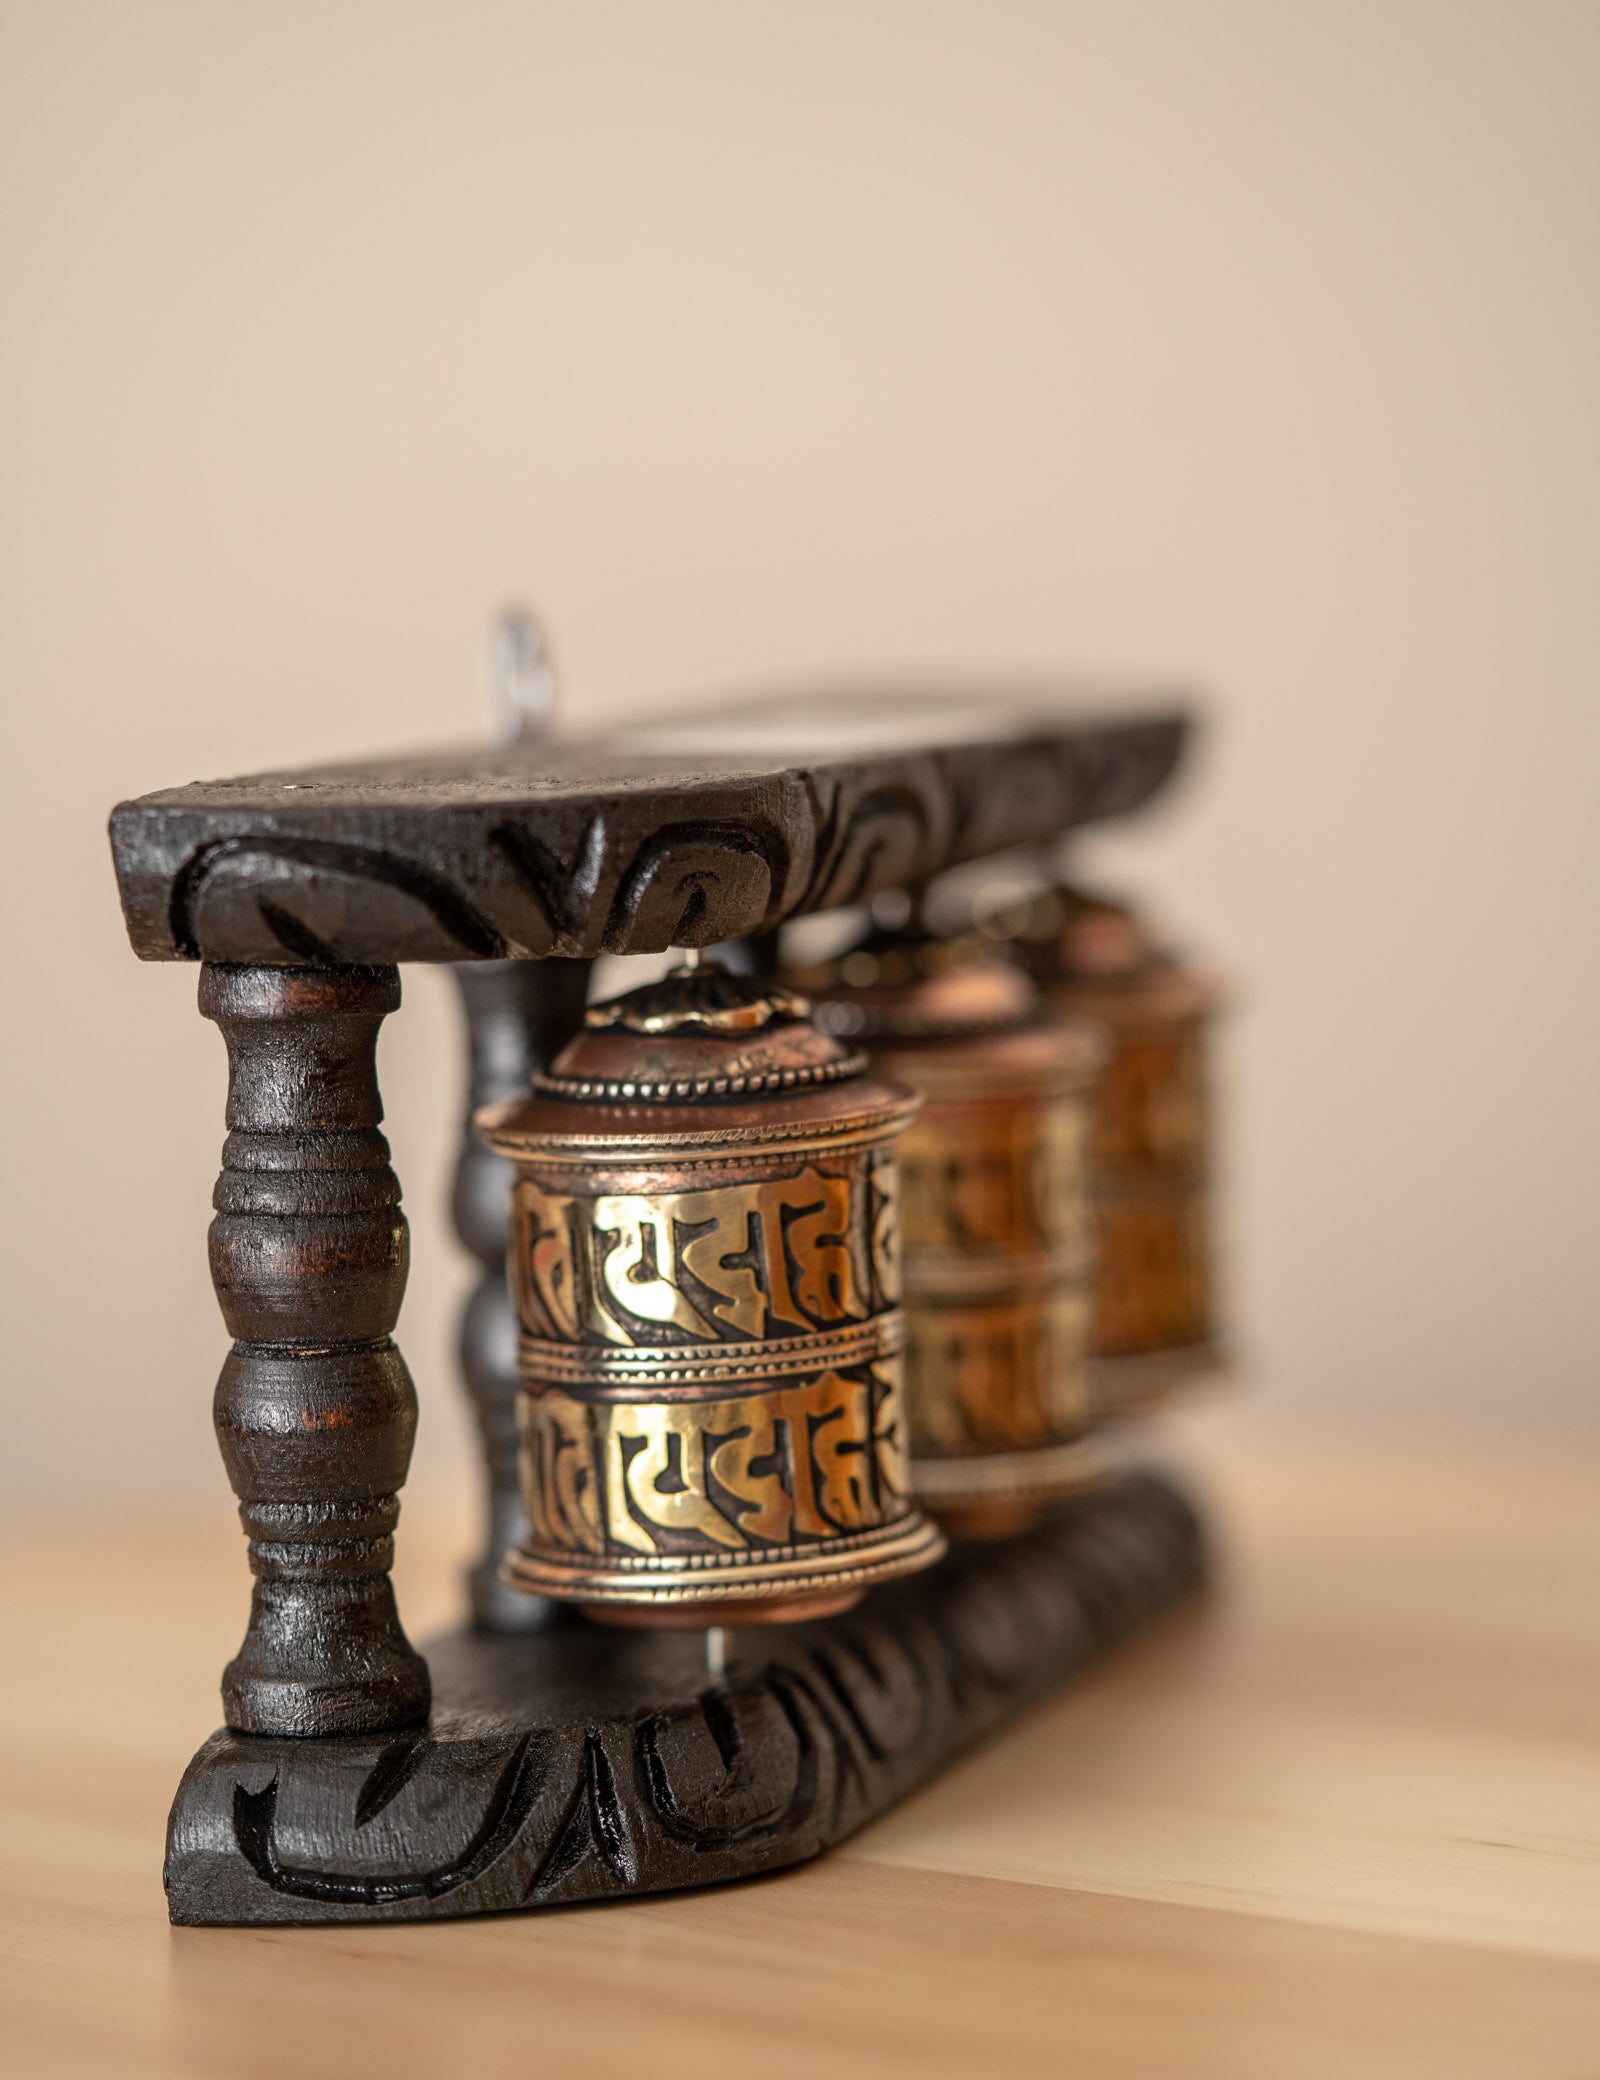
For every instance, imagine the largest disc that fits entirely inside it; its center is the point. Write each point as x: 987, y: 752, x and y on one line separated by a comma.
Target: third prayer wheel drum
x: 705, y: 1257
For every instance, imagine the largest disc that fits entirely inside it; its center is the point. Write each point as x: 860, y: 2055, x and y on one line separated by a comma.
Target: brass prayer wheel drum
x: 1150, y: 1137
x: 705, y: 1258
x: 994, y: 1212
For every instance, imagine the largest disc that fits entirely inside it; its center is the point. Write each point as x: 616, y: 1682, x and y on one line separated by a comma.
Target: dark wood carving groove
x: 577, y: 849
x: 582, y: 1764
x: 471, y: 934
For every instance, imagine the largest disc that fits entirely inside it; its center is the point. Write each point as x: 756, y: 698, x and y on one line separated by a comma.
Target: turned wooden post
x: 315, y: 1410
x: 519, y: 1015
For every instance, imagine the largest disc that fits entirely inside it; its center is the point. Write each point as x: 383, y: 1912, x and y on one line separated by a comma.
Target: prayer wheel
x: 706, y: 1263
x: 1150, y: 1138
x: 998, y: 1252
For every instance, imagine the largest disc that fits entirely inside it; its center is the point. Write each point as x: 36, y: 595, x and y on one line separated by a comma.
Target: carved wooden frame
x: 547, y: 1762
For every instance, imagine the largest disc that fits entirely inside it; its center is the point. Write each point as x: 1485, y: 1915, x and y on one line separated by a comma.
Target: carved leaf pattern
x: 372, y: 868
x: 848, y: 1716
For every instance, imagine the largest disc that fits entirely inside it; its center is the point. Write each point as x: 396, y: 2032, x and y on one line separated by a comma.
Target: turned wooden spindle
x: 315, y: 1411
x: 519, y: 1015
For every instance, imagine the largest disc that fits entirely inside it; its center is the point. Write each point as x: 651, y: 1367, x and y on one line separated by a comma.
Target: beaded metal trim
x: 617, y: 1091
x: 901, y: 1546
x: 1043, y: 1471
x: 545, y: 1362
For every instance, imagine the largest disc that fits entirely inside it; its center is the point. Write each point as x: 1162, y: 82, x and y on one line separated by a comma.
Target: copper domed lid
x: 1063, y: 934
x: 914, y: 985
x: 702, y: 1055
x: 1100, y: 956
x: 700, y: 1032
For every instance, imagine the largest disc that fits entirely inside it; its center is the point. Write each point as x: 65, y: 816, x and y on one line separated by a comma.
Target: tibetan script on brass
x: 810, y: 1461
x: 739, y: 1261
x: 1001, y: 1176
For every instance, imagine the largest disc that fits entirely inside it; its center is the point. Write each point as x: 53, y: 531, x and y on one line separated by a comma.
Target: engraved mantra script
x: 1011, y: 1375
x: 1151, y: 1112
x: 1006, y: 1175
x: 807, y: 1462
x: 736, y: 1261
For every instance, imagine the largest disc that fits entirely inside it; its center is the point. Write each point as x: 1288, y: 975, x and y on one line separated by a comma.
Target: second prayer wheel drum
x: 999, y: 1256
x: 1149, y: 1146
x: 706, y: 1263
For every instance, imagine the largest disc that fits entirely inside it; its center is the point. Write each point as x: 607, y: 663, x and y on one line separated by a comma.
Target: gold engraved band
x: 654, y: 1368
x: 934, y: 1276
x: 700, y: 1578
x: 717, y: 1481
x: 1050, y: 1473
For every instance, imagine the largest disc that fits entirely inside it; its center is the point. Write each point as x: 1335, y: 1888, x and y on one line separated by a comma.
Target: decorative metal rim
x: 842, y: 1018
x: 687, y: 1089
x: 544, y: 1362
x: 723, y: 1146
x: 903, y: 1546
x: 959, y: 1084
x: 1045, y: 1473
x: 994, y: 1278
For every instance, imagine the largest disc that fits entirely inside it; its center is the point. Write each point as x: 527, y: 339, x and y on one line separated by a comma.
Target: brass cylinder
x: 1150, y: 1138
x: 998, y: 1253
x: 706, y: 1265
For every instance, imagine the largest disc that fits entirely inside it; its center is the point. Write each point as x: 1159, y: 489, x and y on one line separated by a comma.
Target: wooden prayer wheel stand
x: 534, y: 1759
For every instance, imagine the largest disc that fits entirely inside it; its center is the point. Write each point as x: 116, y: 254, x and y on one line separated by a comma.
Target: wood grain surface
x: 1345, y: 1819
x: 590, y: 1763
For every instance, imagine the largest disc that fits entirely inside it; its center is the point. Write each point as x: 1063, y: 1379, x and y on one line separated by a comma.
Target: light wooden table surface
x: 1344, y: 1819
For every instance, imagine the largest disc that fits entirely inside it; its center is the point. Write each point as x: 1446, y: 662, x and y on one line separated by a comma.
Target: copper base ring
x: 717, y: 1589
x: 993, y: 1494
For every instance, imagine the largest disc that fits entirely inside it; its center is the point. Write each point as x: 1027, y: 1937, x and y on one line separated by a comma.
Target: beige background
x: 1257, y: 343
